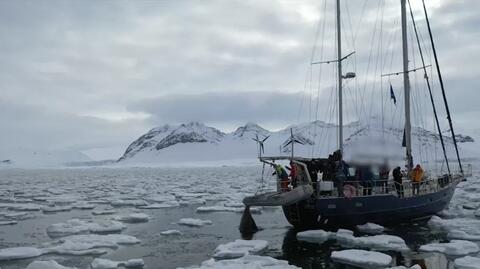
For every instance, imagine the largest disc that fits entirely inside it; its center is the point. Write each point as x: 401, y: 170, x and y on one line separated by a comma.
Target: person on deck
x: 293, y: 173
x: 383, y: 172
x: 282, y: 177
x: 397, y: 178
x: 417, y: 176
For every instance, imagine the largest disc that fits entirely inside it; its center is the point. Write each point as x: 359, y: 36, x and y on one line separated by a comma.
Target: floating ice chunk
x: 47, y: 265
x: 467, y: 262
x: 457, y: 234
x: 159, y: 206
x: 106, y: 226
x: 133, y: 218
x: 370, y: 228
x: 171, y: 232
x: 416, y: 266
x: 91, y: 243
x: 18, y: 215
x: 160, y: 198
x: 220, y: 208
x: 53, y: 209
x: 382, y: 242
x: 362, y: 258
x: 134, y: 263
x: 25, y: 207
x: 193, y: 201
x: 104, y: 212
x: 99, y: 263
x: 76, y: 226
x: 128, y: 203
x: 19, y: 253
x: 454, y: 247
x: 239, y: 248
x: 194, y: 222
x: 8, y: 222
x: 467, y: 225
x: 346, y: 238
x: 315, y: 236
x: 248, y: 261
x: 83, y: 205
x: 234, y: 204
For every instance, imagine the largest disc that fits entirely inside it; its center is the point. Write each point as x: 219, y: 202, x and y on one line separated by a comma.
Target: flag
x: 404, y: 140
x: 392, y: 95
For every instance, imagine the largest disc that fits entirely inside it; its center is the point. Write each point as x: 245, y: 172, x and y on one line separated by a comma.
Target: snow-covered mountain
x: 196, y: 142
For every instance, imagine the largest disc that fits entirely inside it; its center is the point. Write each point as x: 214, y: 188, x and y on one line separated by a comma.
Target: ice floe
x: 239, y: 248
x: 346, y: 238
x: 104, y: 212
x: 416, y: 266
x: 8, y: 222
x: 53, y: 209
x: 454, y: 248
x: 99, y: 263
x: 362, y: 258
x: 51, y: 264
x: 248, y: 261
x: 133, y: 218
x: 160, y: 205
x: 457, y: 228
x: 194, y: 222
x: 370, y: 228
x: 77, y: 226
x: 221, y: 208
x: 171, y: 232
x: 16, y: 253
x: 467, y: 262
x: 315, y: 236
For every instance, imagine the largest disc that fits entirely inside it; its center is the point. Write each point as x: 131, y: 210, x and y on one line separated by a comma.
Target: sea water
x: 73, y: 215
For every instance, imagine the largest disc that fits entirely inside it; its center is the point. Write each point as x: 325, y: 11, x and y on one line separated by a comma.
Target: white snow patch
x: 362, y: 258
x: 239, y: 248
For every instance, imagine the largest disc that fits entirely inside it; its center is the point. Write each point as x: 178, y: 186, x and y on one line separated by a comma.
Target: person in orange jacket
x: 417, y: 176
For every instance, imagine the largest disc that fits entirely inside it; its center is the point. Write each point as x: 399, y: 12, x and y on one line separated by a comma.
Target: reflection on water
x: 317, y: 256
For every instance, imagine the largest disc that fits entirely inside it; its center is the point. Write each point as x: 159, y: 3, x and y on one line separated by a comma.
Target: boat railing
x: 349, y: 189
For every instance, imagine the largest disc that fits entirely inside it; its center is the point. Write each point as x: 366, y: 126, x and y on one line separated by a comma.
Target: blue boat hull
x: 381, y: 209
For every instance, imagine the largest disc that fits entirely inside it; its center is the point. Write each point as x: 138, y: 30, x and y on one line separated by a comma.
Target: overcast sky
x: 87, y: 75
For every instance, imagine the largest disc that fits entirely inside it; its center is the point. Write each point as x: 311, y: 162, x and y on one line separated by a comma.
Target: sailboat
x: 338, y: 198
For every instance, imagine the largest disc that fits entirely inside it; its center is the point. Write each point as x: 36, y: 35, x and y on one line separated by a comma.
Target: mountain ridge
x: 196, y: 141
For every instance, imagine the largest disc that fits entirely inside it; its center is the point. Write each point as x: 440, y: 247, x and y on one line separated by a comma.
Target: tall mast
x: 406, y: 86
x: 339, y: 62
